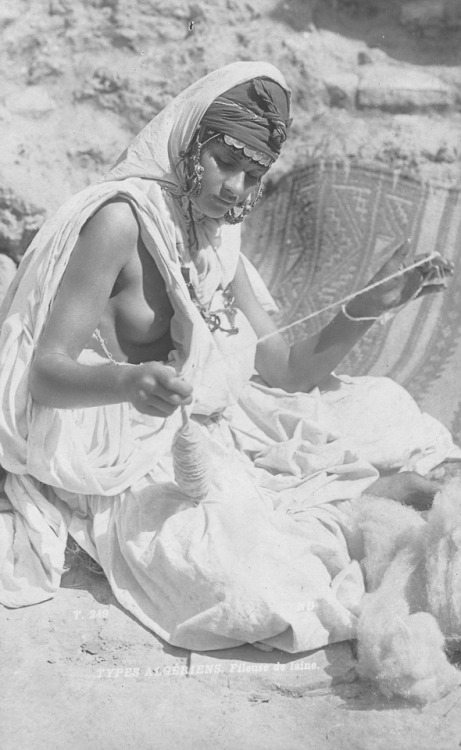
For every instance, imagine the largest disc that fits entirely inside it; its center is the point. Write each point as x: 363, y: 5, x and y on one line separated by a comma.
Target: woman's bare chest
x: 139, y: 303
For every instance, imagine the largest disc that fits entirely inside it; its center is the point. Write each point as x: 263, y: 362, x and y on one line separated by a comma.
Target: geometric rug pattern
x: 325, y: 229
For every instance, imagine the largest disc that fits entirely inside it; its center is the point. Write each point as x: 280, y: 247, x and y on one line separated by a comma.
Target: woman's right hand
x: 155, y: 389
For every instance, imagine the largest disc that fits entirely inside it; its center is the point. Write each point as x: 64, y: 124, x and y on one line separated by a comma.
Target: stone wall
x: 80, y: 77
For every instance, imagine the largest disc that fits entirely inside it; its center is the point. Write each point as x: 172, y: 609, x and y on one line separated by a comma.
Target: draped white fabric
x: 269, y: 555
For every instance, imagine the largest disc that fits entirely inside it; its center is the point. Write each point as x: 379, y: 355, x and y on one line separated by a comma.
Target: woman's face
x: 227, y: 179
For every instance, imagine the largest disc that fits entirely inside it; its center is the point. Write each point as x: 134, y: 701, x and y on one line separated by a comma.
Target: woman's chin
x: 214, y: 210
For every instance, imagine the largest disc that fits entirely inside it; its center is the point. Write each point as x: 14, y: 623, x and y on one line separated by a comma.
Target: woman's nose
x: 234, y: 184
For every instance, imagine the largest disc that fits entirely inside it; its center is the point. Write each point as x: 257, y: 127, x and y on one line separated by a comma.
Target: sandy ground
x: 77, y: 671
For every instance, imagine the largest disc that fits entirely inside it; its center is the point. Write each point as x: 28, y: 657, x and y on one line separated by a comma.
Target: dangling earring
x: 237, y: 214
x: 194, y: 179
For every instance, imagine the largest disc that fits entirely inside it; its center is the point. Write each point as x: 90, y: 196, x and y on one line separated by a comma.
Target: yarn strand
x: 190, y: 463
x: 349, y: 297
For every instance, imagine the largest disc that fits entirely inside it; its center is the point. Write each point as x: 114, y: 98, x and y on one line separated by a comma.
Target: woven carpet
x: 326, y: 228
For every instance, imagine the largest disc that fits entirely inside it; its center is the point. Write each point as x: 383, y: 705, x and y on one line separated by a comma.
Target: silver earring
x: 194, y: 179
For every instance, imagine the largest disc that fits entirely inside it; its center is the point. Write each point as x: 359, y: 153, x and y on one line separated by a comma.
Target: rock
x: 92, y: 647
x: 394, y: 89
x: 135, y: 98
x: 420, y: 17
x: 34, y: 101
x: 196, y: 12
x: 431, y: 17
x: 44, y: 67
x: 59, y: 7
x: 7, y: 272
x: 19, y: 222
x: 171, y: 29
x: 364, y: 58
x: 342, y: 89
x: 325, y: 46
x: 5, y: 114
x: 9, y: 13
x: 453, y: 14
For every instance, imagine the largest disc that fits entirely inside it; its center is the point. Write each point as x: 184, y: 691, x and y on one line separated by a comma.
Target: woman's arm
x: 103, y: 249
x: 307, y: 362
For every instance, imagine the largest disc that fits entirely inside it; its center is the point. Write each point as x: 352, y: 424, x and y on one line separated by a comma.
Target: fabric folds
x: 271, y: 553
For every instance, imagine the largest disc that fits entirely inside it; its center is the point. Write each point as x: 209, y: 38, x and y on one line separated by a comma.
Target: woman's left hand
x: 408, y: 488
x: 425, y: 279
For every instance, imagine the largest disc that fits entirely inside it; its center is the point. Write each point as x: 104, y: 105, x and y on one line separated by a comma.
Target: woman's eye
x: 223, y: 162
x: 254, y: 177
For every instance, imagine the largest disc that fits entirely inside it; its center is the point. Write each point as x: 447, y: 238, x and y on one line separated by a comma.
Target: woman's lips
x: 223, y: 202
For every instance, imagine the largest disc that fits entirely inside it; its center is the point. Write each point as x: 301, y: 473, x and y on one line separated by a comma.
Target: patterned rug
x: 322, y: 233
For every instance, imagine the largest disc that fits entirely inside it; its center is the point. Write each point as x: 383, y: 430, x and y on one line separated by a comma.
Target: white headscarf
x: 155, y: 153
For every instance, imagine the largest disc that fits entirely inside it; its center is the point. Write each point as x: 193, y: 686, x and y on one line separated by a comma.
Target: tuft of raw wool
x: 400, y: 645
x: 190, y: 460
x: 443, y: 560
x: 402, y: 653
x: 386, y: 527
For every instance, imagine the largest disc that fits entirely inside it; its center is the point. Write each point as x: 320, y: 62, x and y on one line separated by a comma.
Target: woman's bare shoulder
x: 113, y: 229
x: 115, y: 215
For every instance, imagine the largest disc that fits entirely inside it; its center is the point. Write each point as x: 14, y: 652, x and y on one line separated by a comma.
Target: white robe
x: 269, y: 554
x: 272, y: 553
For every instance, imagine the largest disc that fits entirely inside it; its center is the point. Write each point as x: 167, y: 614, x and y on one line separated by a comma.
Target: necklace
x: 213, y: 319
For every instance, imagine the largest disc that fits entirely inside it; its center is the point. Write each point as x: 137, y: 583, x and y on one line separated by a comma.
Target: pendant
x: 213, y: 319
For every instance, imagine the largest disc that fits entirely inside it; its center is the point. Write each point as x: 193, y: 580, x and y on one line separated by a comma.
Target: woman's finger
x: 156, y: 407
x: 431, y: 289
x: 401, y: 253
x: 169, y: 381
x: 395, y: 262
x: 156, y: 391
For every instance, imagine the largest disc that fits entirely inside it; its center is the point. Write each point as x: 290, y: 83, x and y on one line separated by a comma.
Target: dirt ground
x: 78, y: 81
x: 78, y: 672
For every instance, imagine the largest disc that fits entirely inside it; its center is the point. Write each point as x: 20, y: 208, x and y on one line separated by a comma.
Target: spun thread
x: 351, y: 296
x: 190, y: 463
x: 188, y: 450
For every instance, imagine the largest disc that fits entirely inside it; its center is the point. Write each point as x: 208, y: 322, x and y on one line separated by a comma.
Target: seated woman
x: 134, y: 307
